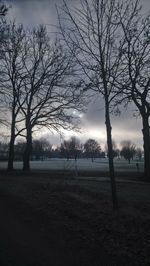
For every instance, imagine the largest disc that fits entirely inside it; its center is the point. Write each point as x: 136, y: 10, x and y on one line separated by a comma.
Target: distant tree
x: 139, y: 153
x: 65, y: 149
x: 117, y: 153
x: 47, y: 147
x: 3, y: 151
x: 19, y: 150
x: 37, y: 149
x: 71, y: 148
x: 102, y: 154
x: 41, y: 148
x: 92, y: 148
x: 128, y: 150
x: 56, y: 152
x: 75, y: 147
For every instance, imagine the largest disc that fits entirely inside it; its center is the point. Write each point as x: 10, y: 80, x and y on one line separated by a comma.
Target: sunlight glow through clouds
x: 35, y: 12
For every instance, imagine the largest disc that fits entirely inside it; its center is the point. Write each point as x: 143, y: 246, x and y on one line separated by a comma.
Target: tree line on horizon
x: 72, y: 148
x: 102, y: 48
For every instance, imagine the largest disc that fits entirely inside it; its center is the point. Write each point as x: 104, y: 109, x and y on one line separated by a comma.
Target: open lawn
x: 81, y: 164
x: 52, y: 219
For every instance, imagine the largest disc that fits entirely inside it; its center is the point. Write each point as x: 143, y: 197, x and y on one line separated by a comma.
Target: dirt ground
x: 49, y: 220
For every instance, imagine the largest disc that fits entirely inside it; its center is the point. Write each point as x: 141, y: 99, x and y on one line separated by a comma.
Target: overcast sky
x: 35, y: 12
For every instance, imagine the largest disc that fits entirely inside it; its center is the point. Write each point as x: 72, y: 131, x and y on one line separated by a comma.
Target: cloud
x: 125, y: 126
x: 35, y: 12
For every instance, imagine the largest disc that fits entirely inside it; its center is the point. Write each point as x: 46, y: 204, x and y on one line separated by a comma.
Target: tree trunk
x: 28, y: 150
x: 110, y: 157
x: 11, y: 145
x: 146, y: 145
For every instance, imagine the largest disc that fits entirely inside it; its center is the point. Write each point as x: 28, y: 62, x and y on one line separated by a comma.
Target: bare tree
x: 92, y: 148
x: 135, y: 79
x: 41, y: 148
x: 3, y: 151
x: 12, y: 73
x: 71, y: 148
x: 139, y: 153
x: 65, y: 149
x: 19, y: 149
x: 92, y: 32
x: 50, y: 95
x: 128, y: 150
x: 3, y: 29
x: 3, y: 12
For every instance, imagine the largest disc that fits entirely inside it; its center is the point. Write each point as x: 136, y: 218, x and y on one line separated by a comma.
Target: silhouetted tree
x: 51, y: 92
x: 56, y: 153
x: 92, y: 148
x: 41, y: 148
x: 3, y: 151
x: 65, y: 149
x: 3, y: 36
x: 135, y: 78
x: 139, y: 153
x: 12, y: 72
x: 71, y: 148
x: 19, y: 150
x: 128, y: 150
x: 93, y: 34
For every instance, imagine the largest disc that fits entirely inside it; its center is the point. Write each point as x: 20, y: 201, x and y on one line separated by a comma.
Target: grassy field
x: 99, y: 165
x: 64, y: 220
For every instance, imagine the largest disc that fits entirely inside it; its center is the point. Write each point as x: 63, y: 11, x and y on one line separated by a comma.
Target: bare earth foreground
x: 49, y: 219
